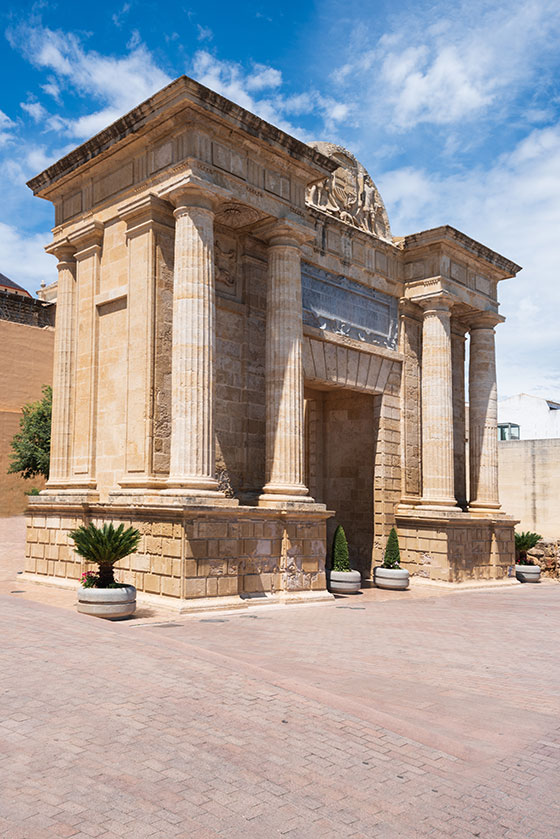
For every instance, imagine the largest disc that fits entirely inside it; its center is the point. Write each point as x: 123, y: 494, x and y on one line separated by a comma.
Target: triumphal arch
x: 246, y: 357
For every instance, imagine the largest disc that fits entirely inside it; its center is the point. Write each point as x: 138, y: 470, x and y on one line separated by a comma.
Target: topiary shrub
x: 524, y: 542
x: 392, y: 558
x: 340, y: 556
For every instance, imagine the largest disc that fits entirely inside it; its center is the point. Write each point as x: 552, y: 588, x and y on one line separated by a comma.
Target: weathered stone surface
x: 188, y: 330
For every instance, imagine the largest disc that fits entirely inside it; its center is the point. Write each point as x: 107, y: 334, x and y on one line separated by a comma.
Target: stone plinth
x: 454, y: 547
x: 188, y: 553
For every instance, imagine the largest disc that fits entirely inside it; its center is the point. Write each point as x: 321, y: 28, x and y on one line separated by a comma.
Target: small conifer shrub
x: 340, y: 556
x: 392, y: 558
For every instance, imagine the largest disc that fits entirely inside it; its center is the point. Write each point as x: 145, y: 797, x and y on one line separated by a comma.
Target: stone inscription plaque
x: 336, y: 304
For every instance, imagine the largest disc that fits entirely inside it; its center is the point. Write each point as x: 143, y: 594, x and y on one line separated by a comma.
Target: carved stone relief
x: 349, y: 193
x: 226, y: 252
x: 236, y: 216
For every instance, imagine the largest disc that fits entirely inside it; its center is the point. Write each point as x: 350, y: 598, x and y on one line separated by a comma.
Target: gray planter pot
x: 393, y: 578
x: 528, y: 573
x: 345, y: 582
x: 109, y: 603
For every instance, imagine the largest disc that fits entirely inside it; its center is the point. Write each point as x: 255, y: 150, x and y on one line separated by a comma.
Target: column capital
x: 63, y: 250
x: 459, y: 328
x: 192, y: 191
x: 441, y: 302
x: 409, y: 309
x: 284, y: 232
x: 485, y: 320
x: 147, y: 209
x: 89, y: 235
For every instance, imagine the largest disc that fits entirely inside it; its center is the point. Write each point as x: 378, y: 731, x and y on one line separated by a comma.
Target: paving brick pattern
x: 436, y: 717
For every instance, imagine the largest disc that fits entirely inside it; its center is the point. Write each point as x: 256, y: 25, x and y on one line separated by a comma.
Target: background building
x: 529, y: 462
x: 26, y: 364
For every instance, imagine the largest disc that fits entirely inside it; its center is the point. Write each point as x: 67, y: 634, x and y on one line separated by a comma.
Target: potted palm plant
x: 526, y: 569
x: 100, y: 594
x: 342, y: 579
x: 390, y: 574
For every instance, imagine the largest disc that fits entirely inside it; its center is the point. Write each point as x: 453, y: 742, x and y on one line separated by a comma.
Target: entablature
x: 447, y: 253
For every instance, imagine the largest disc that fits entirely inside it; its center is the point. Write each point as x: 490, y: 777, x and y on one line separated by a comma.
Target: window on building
x: 508, y: 431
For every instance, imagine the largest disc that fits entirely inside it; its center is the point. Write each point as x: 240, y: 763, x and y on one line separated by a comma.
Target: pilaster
x: 144, y: 217
x: 63, y: 372
x: 87, y: 242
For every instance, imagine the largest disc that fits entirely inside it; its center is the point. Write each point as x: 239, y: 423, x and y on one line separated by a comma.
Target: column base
x: 288, y: 501
x: 141, y: 484
x: 191, y: 485
x: 485, y: 508
x: 439, y: 504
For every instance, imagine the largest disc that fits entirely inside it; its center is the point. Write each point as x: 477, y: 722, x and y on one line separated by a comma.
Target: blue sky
x: 454, y: 108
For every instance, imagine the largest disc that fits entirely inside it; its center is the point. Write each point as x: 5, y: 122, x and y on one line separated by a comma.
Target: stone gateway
x: 246, y: 357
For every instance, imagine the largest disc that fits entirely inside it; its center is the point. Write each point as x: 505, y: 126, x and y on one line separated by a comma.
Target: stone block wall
x: 186, y: 556
x: 456, y: 550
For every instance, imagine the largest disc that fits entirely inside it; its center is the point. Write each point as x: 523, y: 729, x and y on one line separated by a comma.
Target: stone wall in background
x: 547, y: 555
x: 27, y: 353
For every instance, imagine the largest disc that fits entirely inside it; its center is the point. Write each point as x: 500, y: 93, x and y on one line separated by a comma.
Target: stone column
x: 192, y: 467
x: 64, y: 338
x: 88, y: 242
x: 458, y: 330
x: 284, y: 369
x: 483, y: 414
x: 144, y: 218
x: 410, y: 345
x: 438, y: 487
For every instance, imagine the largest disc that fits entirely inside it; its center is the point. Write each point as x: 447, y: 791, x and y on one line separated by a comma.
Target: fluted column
x: 458, y: 330
x: 438, y: 488
x: 60, y: 465
x: 192, y: 466
x: 284, y: 369
x: 483, y: 414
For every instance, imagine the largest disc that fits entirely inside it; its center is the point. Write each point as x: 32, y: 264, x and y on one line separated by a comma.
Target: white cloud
x: 451, y: 64
x: 513, y: 208
x: 204, y: 33
x: 24, y: 259
x: 6, y: 125
x: 118, y: 83
x: 35, y: 110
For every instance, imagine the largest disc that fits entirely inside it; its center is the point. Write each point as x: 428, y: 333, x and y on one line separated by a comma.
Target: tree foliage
x: 105, y: 546
x: 524, y: 541
x: 392, y: 558
x: 340, y: 556
x: 31, y: 445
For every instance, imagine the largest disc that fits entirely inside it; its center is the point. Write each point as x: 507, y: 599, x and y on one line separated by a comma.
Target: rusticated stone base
x: 188, y: 552
x: 456, y: 547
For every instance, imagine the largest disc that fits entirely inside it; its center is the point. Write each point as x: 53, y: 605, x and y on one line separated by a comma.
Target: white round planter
x: 345, y: 582
x: 528, y: 573
x: 109, y: 603
x: 393, y: 578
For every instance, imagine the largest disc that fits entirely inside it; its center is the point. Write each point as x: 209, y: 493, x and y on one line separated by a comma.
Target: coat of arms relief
x: 349, y: 193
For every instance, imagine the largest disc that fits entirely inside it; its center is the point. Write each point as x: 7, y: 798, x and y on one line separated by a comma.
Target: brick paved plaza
x: 423, y: 714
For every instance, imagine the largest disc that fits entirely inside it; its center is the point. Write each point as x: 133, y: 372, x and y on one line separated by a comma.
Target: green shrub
x: 392, y: 558
x: 524, y: 542
x: 31, y: 446
x: 105, y: 546
x: 340, y: 557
